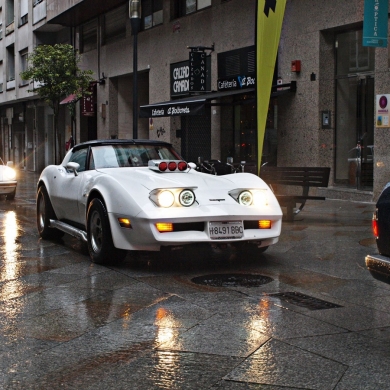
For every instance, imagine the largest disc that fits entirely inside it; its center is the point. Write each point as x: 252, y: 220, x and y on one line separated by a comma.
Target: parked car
x: 126, y: 195
x: 8, y: 180
x: 379, y: 265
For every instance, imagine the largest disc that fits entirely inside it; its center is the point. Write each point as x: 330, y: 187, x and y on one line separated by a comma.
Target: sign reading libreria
x: 375, y: 23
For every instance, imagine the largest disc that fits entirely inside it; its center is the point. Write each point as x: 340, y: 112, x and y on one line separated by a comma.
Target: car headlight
x: 9, y: 173
x: 165, y: 198
x: 173, y: 197
x: 186, y: 198
x: 245, y: 198
x: 250, y: 197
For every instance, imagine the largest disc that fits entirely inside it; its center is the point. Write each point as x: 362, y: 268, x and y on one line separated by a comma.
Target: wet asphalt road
x: 68, y: 324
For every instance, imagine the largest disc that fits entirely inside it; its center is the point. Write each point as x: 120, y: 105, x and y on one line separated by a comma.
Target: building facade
x: 321, y: 113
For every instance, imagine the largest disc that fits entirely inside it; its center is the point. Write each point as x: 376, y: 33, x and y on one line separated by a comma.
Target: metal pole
x: 135, y: 88
x: 135, y: 20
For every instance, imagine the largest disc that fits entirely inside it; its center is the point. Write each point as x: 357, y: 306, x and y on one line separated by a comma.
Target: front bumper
x: 379, y: 267
x: 7, y: 187
x: 144, y: 235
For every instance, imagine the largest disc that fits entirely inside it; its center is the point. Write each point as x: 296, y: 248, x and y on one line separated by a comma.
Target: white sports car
x: 125, y: 195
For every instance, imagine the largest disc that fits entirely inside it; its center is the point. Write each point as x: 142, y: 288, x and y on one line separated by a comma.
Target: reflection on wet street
x: 306, y: 314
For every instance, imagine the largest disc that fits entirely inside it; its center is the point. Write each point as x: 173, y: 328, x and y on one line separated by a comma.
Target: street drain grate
x: 232, y: 280
x: 306, y: 301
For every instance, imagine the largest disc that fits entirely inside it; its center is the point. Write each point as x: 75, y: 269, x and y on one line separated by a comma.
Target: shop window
x: 352, y: 56
x: 152, y: 13
x: 23, y: 12
x: 88, y: 36
x: 114, y: 24
x: 23, y: 65
x: 184, y: 7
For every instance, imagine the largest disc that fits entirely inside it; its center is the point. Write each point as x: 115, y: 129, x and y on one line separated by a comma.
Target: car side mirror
x: 10, y: 164
x: 73, y: 167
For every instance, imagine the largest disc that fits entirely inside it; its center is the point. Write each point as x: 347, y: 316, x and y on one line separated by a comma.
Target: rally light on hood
x: 250, y: 197
x: 168, y: 166
x: 173, y: 197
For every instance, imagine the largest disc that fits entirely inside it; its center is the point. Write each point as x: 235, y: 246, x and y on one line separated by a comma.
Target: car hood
x: 151, y: 179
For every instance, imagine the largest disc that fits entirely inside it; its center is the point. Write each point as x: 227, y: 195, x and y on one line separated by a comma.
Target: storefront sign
x: 237, y: 82
x: 197, y: 71
x: 180, y: 77
x: 382, y: 110
x: 88, y: 101
x: 375, y: 23
x: 172, y: 109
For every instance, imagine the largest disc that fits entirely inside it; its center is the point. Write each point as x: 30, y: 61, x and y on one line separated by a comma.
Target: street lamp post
x: 135, y: 20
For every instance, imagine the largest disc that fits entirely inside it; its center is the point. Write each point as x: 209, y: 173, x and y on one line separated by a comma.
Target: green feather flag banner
x: 268, y: 29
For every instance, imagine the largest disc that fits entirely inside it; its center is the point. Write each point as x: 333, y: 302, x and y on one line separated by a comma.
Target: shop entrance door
x: 355, y: 132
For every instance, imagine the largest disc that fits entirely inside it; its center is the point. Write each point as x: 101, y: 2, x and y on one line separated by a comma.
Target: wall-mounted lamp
x: 313, y: 77
x: 102, y: 80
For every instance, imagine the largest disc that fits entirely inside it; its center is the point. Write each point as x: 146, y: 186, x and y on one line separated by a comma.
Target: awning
x: 195, y: 105
x: 187, y: 106
x: 69, y: 99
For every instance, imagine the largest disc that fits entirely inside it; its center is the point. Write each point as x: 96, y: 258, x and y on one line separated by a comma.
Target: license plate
x: 226, y: 230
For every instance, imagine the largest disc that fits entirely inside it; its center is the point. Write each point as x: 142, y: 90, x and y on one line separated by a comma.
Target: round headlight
x: 165, y: 198
x: 245, y: 198
x: 9, y: 173
x: 186, y: 198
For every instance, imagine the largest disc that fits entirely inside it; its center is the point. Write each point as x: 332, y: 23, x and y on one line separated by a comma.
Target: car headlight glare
x: 165, y: 198
x: 245, y: 198
x: 186, y: 198
x: 9, y: 174
x: 260, y: 198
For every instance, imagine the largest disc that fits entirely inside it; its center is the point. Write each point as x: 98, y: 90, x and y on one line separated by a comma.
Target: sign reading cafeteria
x: 382, y: 110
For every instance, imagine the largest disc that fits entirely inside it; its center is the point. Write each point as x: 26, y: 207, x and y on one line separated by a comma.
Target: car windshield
x: 118, y: 156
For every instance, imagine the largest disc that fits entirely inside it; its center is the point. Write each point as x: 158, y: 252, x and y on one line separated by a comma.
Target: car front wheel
x: 100, y: 245
x: 45, y: 213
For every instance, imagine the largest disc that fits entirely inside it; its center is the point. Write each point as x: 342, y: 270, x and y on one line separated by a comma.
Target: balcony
x: 39, y: 10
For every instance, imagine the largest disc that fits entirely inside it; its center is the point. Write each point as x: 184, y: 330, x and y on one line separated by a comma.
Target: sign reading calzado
x: 180, y: 77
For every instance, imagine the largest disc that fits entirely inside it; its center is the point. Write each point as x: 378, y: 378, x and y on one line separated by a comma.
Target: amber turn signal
x: 124, y: 222
x: 164, y: 227
x: 264, y: 224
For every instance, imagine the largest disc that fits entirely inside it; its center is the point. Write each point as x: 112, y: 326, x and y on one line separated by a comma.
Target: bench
x: 304, y: 177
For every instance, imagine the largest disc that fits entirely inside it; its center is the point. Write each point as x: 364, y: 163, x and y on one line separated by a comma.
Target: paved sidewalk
x: 321, y: 321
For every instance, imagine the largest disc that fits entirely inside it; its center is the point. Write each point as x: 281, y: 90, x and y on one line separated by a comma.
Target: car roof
x: 119, y: 142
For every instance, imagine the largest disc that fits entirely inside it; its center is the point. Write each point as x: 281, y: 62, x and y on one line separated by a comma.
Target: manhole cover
x: 232, y: 280
x: 306, y: 301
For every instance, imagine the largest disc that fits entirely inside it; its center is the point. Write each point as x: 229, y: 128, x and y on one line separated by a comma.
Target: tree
x: 54, y: 74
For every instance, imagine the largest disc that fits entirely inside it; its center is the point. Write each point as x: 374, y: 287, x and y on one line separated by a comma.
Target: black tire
x: 11, y: 196
x: 99, y: 239
x: 45, y: 213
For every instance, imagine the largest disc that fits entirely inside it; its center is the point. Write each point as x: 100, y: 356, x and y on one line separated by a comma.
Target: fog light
x: 125, y: 223
x: 164, y: 227
x: 264, y: 224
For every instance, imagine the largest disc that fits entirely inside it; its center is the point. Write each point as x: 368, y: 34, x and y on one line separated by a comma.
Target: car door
x: 66, y: 192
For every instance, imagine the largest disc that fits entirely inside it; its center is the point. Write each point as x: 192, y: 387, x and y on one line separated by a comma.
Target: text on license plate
x: 225, y: 230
